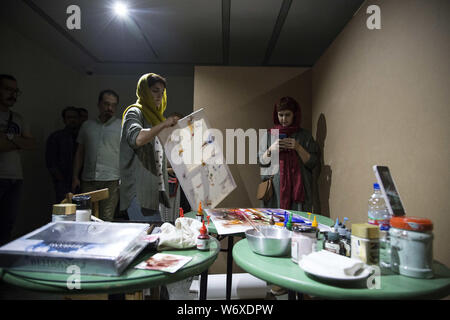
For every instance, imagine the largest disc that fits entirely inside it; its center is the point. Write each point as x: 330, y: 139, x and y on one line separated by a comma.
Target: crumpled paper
x: 182, y: 235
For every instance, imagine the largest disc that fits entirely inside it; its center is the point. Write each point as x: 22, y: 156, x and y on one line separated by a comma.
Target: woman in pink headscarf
x: 298, y: 155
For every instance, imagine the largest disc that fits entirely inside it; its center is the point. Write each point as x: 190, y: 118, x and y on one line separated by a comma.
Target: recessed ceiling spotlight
x: 120, y: 9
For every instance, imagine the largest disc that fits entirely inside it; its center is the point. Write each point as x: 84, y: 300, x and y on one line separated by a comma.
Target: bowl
x: 277, y: 241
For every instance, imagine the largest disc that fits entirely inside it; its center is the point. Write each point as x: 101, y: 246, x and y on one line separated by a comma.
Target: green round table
x: 282, y: 271
x: 130, y: 280
x: 213, y: 230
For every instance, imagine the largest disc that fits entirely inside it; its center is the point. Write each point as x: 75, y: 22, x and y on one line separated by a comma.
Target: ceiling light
x: 120, y: 9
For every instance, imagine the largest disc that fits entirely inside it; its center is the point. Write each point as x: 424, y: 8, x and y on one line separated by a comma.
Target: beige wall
x: 243, y: 97
x: 381, y: 97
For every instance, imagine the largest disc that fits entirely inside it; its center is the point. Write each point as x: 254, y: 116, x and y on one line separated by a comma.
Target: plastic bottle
x: 314, y: 224
x: 286, y: 218
x: 203, y: 238
x: 385, y: 247
x: 345, y: 220
x: 378, y: 213
x: 289, y: 223
x: 336, y: 225
x: 199, y: 215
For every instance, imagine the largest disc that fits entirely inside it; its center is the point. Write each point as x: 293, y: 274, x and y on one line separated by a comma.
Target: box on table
x: 105, y: 248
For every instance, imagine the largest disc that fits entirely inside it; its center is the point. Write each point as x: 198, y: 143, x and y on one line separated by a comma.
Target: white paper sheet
x: 196, y: 157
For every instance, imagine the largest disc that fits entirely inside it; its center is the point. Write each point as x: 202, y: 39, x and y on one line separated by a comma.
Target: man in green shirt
x: 98, y: 154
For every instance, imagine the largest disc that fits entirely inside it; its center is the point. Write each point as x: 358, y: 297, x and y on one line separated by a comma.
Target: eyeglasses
x: 17, y: 92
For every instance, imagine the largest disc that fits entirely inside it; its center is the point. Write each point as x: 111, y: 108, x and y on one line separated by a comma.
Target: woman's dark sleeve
x: 133, y: 124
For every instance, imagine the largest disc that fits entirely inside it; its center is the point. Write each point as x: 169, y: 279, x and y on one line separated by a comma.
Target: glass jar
x: 303, y: 242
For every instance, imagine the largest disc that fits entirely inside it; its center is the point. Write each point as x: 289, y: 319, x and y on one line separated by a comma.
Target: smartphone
x: 389, y: 191
x: 283, y: 136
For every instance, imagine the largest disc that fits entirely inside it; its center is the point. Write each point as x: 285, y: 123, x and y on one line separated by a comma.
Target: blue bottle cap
x: 376, y: 186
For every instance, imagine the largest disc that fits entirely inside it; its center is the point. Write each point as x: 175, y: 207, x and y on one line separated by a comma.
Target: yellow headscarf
x: 146, y: 103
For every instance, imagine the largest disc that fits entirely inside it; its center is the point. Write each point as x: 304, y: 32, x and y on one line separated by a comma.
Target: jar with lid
x: 412, y: 246
x: 83, y: 203
x: 332, y: 242
x: 303, y: 242
x: 365, y: 243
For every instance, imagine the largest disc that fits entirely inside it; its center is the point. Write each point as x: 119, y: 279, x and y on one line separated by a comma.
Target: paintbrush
x: 253, y: 225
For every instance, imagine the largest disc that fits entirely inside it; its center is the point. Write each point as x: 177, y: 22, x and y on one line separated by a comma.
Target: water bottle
x: 385, y: 247
x: 378, y: 212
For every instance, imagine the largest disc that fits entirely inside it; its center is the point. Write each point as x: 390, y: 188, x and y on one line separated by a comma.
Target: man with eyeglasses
x: 14, y: 136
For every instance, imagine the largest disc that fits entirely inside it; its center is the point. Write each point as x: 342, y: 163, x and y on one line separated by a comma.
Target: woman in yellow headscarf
x: 143, y: 169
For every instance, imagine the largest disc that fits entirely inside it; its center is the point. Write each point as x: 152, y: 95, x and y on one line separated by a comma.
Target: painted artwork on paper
x: 236, y: 220
x: 164, y: 262
x: 197, y: 159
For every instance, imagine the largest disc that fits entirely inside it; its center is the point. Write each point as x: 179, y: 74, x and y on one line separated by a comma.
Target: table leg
x: 203, y: 285
x: 229, y: 266
x: 294, y: 295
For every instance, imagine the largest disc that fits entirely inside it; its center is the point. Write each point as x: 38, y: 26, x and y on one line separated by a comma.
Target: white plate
x: 367, y: 270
